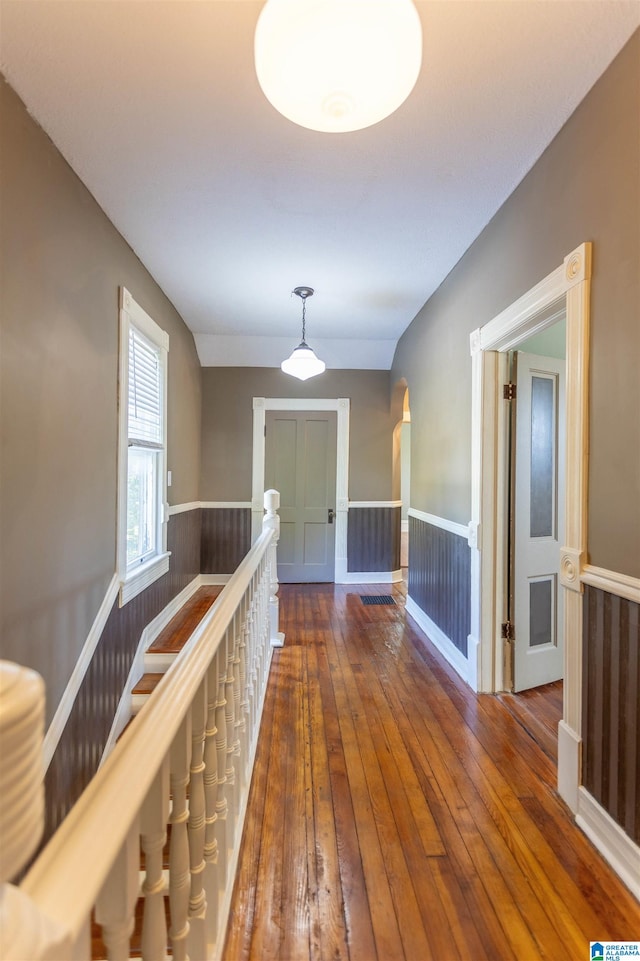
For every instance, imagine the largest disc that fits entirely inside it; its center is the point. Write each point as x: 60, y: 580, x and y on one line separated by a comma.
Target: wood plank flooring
x: 539, y: 711
x: 395, y: 815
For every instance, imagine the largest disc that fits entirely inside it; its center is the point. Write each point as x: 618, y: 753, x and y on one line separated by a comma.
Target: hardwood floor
x: 539, y: 711
x: 395, y: 815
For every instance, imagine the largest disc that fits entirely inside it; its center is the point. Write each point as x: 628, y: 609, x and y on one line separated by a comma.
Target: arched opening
x: 402, y: 463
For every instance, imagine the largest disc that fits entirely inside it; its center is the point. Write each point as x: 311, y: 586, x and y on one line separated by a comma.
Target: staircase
x: 161, y: 654
x: 181, y: 772
x: 157, y: 660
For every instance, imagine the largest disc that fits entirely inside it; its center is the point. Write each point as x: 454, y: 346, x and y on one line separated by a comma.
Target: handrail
x: 65, y: 882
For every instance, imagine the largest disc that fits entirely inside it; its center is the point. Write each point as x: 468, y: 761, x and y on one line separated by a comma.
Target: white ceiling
x: 156, y: 106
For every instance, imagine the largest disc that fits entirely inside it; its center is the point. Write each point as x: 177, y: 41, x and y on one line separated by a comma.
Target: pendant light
x: 303, y: 363
x: 337, y: 65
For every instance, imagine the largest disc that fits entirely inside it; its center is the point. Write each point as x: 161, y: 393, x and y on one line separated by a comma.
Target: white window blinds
x: 145, y: 428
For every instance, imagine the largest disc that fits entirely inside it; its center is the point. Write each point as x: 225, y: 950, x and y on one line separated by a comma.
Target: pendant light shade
x: 303, y: 362
x: 337, y: 65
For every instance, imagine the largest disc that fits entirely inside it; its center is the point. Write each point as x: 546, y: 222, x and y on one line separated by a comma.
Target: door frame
x: 342, y: 407
x: 565, y: 291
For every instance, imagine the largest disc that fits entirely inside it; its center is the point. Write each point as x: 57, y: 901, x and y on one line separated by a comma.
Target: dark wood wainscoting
x: 373, y: 539
x: 85, y: 735
x: 610, y: 712
x: 439, y: 579
x: 226, y: 538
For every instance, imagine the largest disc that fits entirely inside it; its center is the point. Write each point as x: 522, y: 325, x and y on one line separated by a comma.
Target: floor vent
x: 377, y: 599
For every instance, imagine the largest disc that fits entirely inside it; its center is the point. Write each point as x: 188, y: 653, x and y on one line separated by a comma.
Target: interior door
x: 300, y: 462
x: 538, y: 521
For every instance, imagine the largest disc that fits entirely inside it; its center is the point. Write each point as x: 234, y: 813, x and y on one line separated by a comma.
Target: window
x: 142, y: 529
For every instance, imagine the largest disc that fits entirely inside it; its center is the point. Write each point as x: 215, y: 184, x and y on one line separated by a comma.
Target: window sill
x: 138, y: 580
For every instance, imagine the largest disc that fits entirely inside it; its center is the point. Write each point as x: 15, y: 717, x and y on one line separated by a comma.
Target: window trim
x: 134, y: 581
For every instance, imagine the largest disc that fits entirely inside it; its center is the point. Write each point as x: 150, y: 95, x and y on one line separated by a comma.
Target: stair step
x: 147, y: 683
x: 98, y: 949
x: 145, y: 686
x: 180, y: 628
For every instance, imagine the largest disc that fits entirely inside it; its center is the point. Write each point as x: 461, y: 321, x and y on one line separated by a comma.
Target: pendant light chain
x: 304, y: 319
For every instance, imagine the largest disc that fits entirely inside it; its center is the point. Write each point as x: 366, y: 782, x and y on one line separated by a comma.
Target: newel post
x: 271, y: 521
x: 26, y: 931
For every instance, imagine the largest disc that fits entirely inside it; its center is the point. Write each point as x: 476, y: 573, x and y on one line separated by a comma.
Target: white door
x: 539, y: 520
x: 300, y: 462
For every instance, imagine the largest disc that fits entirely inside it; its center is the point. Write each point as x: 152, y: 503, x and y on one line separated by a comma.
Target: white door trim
x: 564, y: 291
x: 342, y: 406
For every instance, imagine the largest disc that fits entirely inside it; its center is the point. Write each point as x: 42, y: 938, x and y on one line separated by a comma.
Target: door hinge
x: 507, y: 631
x: 509, y: 392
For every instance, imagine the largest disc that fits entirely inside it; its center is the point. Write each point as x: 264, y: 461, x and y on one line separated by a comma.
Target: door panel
x: 300, y: 462
x: 539, y: 521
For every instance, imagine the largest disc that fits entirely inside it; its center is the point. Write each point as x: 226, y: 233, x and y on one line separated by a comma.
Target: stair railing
x: 185, y: 761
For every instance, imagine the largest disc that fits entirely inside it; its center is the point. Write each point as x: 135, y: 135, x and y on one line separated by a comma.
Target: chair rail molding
x: 612, y: 582
x: 462, y: 530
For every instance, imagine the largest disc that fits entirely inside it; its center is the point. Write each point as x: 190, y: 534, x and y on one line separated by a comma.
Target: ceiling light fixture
x: 337, y: 65
x: 303, y: 363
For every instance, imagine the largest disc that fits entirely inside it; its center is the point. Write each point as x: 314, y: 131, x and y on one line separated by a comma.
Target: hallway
x: 395, y: 815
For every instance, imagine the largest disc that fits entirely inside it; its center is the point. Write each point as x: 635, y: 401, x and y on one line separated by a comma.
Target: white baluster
x: 212, y: 874
x: 245, y: 726
x: 179, y: 874
x: 230, y: 771
x: 253, y: 659
x: 238, y: 756
x: 153, y: 823
x: 197, y: 899
x: 115, y: 905
x: 221, y: 746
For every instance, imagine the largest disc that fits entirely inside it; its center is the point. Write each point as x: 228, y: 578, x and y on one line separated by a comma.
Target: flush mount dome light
x: 337, y: 65
x: 303, y: 363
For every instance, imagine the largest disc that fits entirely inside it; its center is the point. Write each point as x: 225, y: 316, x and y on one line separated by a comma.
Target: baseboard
x: 369, y: 577
x: 473, y: 660
x: 569, y: 754
x: 614, y: 845
x: 63, y: 711
x: 149, y: 634
x: 439, y: 639
x: 207, y: 580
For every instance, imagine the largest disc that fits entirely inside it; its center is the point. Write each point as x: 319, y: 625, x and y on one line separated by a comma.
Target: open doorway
x: 405, y: 481
x: 401, y: 460
x: 534, y: 602
x: 562, y: 293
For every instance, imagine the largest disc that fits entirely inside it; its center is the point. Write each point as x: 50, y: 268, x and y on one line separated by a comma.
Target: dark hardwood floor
x: 396, y: 815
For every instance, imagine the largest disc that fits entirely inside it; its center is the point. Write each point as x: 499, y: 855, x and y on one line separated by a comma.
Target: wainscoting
x: 610, y: 712
x: 439, y: 579
x: 373, y: 539
x: 226, y: 538
x: 80, y: 748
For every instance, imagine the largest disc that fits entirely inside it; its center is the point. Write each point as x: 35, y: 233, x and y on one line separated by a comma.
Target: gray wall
x: 586, y: 186
x: 62, y: 263
x: 227, y: 426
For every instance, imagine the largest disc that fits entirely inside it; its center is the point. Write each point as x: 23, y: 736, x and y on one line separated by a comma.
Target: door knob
x: 330, y: 515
